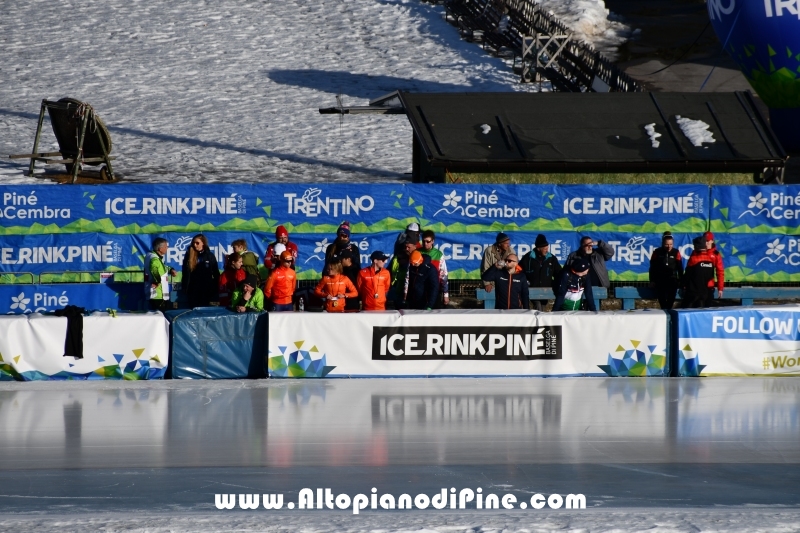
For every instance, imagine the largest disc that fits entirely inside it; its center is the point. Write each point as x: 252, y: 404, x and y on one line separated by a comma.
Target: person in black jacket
x: 666, y: 271
x: 510, y: 282
x: 541, y: 268
x: 575, y: 291
x: 349, y: 255
x: 200, y: 274
x: 422, y: 282
x: 699, y: 272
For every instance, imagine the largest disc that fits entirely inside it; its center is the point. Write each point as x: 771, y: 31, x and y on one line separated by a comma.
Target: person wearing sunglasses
x: 596, y: 253
x: 200, y: 274
x: 437, y: 260
x: 511, y: 284
x: 281, y: 284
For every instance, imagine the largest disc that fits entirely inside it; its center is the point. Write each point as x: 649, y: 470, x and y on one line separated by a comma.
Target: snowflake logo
x: 757, y: 202
x: 451, y: 199
x: 321, y: 246
x: 20, y: 302
x: 775, y: 247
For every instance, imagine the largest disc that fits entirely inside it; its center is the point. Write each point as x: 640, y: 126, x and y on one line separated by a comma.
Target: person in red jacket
x: 698, y: 274
x: 281, y: 284
x: 335, y: 288
x: 719, y: 269
x: 282, y: 237
x: 373, y: 283
x: 230, y: 278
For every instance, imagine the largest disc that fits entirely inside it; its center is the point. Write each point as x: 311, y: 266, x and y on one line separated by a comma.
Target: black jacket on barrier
x: 511, y: 290
x: 423, y: 285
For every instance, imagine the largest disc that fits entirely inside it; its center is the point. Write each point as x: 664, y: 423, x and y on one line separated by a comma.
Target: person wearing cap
x: 348, y: 254
x: 575, y: 290
x: 281, y: 284
x: 494, y: 253
x: 697, y: 282
x: 438, y: 261
x: 373, y: 283
x: 541, y: 269
x: 335, y: 288
x: 410, y: 234
x: 271, y: 259
x: 719, y: 268
x: 156, y: 284
x: 512, y: 286
x: 230, y: 278
x: 249, y: 259
x: 666, y: 271
x: 398, y: 270
x: 248, y: 297
x: 422, y: 282
x: 597, y: 253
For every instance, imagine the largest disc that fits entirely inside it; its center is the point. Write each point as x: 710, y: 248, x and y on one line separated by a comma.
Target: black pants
x: 159, y: 305
x: 697, y: 300
x: 665, y: 292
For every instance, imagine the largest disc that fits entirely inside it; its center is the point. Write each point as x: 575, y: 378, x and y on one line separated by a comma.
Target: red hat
x: 709, y: 236
x: 281, y: 232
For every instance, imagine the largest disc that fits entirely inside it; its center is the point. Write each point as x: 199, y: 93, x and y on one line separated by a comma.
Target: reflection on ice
x: 394, y: 422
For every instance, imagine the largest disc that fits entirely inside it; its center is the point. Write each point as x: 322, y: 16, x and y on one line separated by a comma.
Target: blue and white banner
x: 765, y: 209
x: 739, y: 341
x: 25, y: 299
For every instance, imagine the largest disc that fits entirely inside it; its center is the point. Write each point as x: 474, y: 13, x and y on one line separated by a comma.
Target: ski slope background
x: 228, y: 90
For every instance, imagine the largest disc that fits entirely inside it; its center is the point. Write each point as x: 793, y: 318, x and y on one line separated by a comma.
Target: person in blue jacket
x: 510, y: 282
x: 575, y: 291
x: 422, y: 282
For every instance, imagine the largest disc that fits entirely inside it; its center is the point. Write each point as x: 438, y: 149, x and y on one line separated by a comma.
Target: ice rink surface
x: 670, y: 454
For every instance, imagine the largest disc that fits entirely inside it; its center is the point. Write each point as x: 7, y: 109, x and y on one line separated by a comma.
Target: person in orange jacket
x: 719, y: 268
x: 335, y: 288
x: 230, y: 278
x: 373, y: 283
x: 281, y: 284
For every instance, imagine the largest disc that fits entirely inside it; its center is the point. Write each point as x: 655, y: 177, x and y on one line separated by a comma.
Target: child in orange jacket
x: 281, y: 284
x: 335, y: 288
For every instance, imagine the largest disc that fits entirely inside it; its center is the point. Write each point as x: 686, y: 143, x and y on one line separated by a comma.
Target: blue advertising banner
x: 24, y: 299
x: 766, y: 209
x: 371, y: 208
x: 760, y: 257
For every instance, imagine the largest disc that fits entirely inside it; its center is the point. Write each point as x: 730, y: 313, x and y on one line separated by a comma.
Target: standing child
x: 249, y: 259
x: 335, y: 288
x: 575, y: 290
x: 230, y: 278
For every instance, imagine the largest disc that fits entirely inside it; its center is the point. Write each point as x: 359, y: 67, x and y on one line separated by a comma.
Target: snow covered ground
x: 756, y: 520
x: 228, y: 90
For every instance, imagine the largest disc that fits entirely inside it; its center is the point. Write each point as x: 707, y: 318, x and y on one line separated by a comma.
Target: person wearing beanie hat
x: 698, y: 274
x: 719, y: 267
x: 421, y: 283
x: 541, y: 269
x: 248, y: 297
x: 597, y: 253
x: 348, y: 254
x: 575, y: 290
x: 666, y: 271
x: 494, y: 253
x: 281, y: 237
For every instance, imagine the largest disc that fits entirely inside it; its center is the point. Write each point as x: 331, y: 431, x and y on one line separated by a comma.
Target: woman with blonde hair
x: 200, y: 274
x: 335, y: 288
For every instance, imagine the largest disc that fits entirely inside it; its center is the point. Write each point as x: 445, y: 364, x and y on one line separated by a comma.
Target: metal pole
x: 36, y: 139
x: 79, y: 157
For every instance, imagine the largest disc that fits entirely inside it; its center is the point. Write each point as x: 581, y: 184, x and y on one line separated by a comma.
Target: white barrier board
x: 467, y: 343
x: 128, y: 346
x: 739, y: 341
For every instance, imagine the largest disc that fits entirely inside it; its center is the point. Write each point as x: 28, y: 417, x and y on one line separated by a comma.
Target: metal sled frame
x: 72, y: 159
